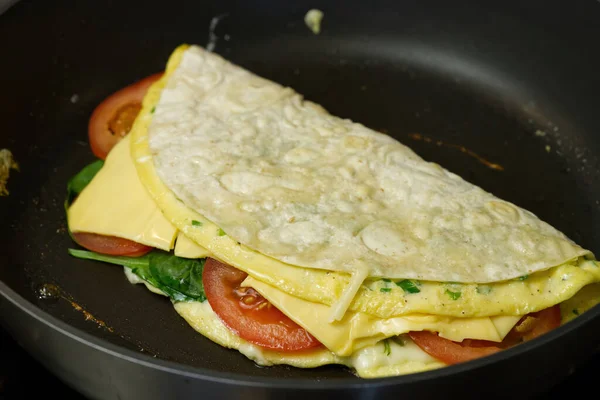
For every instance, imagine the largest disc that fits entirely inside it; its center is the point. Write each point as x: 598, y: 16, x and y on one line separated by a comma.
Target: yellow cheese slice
x: 186, y: 248
x: 357, y: 330
x: 115, y: 203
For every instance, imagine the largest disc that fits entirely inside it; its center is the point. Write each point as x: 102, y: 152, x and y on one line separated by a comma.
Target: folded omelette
x: 382, y: 262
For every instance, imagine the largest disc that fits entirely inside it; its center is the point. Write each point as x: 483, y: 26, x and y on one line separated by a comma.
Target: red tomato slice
x: 114, y: 117
x: 545, y: 321
x: 450, y: 352
x: 110, y: 245
x: 250, y: 315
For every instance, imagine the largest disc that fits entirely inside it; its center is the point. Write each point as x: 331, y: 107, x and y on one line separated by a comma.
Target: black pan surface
x: 464, y: 84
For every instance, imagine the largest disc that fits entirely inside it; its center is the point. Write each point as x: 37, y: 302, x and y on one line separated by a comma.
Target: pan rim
x: 233, y: 378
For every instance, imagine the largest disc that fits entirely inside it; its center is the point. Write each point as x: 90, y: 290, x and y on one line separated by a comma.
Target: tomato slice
x: 113, y: 118
x: 250, y: 315
x: 110, y: 245
x: 450, y: 352
x: 544, y: 321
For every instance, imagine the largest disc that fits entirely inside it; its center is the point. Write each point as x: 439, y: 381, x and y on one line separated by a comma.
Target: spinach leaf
x: 179, y: 278
x: 129, y: 262
x: 181, y: 274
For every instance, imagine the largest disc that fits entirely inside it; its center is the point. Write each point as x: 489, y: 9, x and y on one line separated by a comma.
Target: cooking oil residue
x: 49, y: 292
x: 53, y: 293
x: 463, y: 149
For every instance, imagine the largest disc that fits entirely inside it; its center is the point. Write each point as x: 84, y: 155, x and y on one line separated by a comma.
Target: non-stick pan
x: 465, y: 83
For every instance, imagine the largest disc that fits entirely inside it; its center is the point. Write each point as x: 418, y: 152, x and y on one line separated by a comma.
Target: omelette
x: 297, y: 237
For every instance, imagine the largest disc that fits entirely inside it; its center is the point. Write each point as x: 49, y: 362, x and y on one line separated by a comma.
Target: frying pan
x: 513, y: 83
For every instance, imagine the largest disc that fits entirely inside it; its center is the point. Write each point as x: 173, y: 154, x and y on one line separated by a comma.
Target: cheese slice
x: 116, y: 204
x: 186, y: 248
x: 357, y: 330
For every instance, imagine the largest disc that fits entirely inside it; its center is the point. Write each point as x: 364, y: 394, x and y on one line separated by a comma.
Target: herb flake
x: 483, y: 289
x: 385, y: 290
x: 196, y: 223
x: 408, y: 286
x: 387, y: 350
x: 453, y: 295
x: 399, y: 341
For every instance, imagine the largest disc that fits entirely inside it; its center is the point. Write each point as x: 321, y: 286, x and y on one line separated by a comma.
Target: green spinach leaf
x: 129, y: 262
x: 181, y: 274
x: 178, y: 278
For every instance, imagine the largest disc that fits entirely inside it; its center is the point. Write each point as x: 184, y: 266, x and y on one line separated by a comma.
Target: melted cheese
x: 357, y: 330
x: 134, y: 279
x: 376, y: 362
x: 116, y: 204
